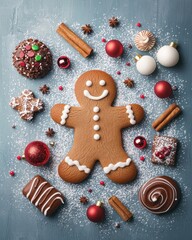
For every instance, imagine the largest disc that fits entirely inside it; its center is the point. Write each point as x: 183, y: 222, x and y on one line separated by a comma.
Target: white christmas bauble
x: 145, y: 65
x: 168, y: 56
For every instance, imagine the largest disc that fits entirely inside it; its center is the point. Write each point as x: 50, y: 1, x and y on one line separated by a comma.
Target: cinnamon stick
x: 118, y: 206
x: 81, y: 46
x: 167, y: 116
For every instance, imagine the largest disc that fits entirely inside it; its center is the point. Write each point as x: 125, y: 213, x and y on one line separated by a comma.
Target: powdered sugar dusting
x: 25, y: 132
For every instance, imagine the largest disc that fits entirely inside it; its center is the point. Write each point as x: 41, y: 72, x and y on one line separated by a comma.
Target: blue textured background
x: 18, y: 15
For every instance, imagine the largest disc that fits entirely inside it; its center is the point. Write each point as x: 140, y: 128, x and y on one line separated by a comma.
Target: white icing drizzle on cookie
x: 65, y: 114
x: 130, y: 113
x: 76, y: 163
x: 95, y: 98
x: 113, y: 167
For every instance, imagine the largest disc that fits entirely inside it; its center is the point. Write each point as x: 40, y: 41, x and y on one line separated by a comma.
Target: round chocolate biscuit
x: 160, y: 194
x: 32, y: 59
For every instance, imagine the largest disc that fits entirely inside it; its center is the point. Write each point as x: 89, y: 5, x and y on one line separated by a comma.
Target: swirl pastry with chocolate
x: 160, y: 194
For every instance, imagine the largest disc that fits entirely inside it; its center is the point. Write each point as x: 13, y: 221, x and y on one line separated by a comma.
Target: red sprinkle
x: 28, y: 47
x: 102, y: 183
x: 142, y: 96
x: 128, y: 64
x: 22, y: 64
x: 103, y: 40
x: 142, y: 158
x: 12, y: 173
x: 18, y: 157
x: 138, y: 24
x: 118, y: 73
x: 36, y: 64
x: 90, y: 190
x: 31, y: 54
x: 21, y: 54
x: 61, y: 88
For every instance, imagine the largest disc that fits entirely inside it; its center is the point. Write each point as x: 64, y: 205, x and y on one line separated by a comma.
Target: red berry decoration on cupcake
x: 37, y: 153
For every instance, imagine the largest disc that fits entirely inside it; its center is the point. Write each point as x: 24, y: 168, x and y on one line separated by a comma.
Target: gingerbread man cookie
x: 97, y: 135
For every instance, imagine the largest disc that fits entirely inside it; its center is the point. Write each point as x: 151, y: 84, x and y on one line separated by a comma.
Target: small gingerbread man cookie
x: 98, y: 125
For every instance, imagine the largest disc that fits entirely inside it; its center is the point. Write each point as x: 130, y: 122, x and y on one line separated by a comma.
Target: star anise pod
x: 87, y: 29
x: 129, y: 82
x: 44, y: 89
x: 83, y: 200
x: 113, y: 22
x: 50, y: 132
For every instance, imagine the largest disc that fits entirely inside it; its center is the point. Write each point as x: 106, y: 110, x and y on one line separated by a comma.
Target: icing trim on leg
x: 130, y: 114
x: 113, y: 167
x: 71, y: 162
x: 64, y: 115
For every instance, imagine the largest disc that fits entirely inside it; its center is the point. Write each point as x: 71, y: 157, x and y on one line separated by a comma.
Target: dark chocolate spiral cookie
x: 160, y: 194
x: 32, y: 59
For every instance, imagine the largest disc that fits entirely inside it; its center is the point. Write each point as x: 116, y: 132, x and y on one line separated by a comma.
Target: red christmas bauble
x: 37, y: 153
x: 140, y: 142
x: 96, y: 213
x: 163, y: 89
x: 63, y: 62
x: 114, y: 48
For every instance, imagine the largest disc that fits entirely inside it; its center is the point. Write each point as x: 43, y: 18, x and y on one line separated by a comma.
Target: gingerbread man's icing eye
x: 102, y: 83
x: 89, y: 83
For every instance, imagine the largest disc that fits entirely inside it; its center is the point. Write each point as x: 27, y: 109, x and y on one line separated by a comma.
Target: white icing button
x: 96, y: 137
x: 96, y: 117
x: 96, y: 109
x: 88, y: 83
x: 102, y: 82
x: 96, y: 127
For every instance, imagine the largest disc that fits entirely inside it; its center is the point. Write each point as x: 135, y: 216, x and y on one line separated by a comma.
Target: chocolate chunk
x: 32, y: 59
x: 164, y: 150
x: 43, y: 195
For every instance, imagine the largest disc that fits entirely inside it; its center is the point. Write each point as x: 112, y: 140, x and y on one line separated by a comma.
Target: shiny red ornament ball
x: 37, y: 153
x: 140, y: 142
x: 163, y: 89
x: 63, y: 62
x: 114, y: 48
x: 96, y: 213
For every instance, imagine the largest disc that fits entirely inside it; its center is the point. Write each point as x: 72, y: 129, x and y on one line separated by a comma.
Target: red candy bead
x: 28, y: 47
x: 22, y: 64
x: 12, y: 173
x: 128, y: 64
x: 61, y: 88
x: 118, y: 73
x: 21, y: 54
x: 103, y: 40
x: 18, y: 157
x: 138, y: 24
x: 142, y: 96
x: 142, y: 158
x: 90, y: 190
x: 63, y: 62
x: 140, y: 142
x: 102, y: 183
x: 37, y: 64
x: 31, y: 54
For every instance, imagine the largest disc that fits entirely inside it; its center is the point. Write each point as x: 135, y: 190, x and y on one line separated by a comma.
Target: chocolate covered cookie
x: 160, y: 194
x: 32, y: 59
x: 43, y: 195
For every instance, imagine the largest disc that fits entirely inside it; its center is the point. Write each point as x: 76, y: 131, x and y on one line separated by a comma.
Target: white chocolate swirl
x: 113, y: 167
x: 144, y: 40
x: 159, y: 194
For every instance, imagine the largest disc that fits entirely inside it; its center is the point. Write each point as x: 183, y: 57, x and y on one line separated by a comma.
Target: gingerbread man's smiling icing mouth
x: 88, y: 95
